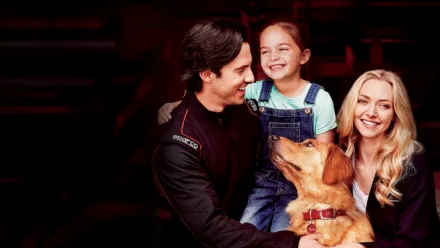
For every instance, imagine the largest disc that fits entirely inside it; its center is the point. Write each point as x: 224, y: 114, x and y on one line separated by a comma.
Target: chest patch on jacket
x: 186, y: 141
x: 253, y: 104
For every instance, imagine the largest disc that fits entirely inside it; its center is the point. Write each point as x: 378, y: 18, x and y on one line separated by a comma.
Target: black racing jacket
x: 205, y: 166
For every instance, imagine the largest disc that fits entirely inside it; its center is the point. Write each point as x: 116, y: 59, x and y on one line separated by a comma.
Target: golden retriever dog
x: 322, y: 175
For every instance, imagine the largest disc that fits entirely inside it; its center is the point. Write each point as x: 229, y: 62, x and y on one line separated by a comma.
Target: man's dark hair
x: 209, y: 45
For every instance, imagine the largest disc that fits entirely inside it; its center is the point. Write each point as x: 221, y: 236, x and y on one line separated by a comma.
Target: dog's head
x: 310, y: 162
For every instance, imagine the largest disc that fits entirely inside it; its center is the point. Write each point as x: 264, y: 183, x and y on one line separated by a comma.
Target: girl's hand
x: 164, y: 113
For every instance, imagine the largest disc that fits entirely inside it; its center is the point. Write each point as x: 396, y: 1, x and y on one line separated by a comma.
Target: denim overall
x: 272, y: 191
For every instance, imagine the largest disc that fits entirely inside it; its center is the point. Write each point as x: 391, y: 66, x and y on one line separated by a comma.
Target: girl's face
x: 280, y: 57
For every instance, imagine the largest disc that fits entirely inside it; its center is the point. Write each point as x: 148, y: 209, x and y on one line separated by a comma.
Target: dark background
x: 81, y: 83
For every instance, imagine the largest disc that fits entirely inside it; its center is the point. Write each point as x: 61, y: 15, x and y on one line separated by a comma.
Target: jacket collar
x: 222, y: 117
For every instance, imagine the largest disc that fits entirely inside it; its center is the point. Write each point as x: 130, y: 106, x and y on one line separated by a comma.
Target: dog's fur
x: 322, y: 174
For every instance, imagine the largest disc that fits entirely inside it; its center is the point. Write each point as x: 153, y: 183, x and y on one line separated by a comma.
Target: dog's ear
x: 337, y: 167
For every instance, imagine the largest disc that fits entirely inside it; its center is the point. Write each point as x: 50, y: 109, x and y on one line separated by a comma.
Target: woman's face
x: 374, y: 110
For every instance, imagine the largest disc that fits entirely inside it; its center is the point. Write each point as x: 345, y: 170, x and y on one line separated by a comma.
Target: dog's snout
x: 273, y: 141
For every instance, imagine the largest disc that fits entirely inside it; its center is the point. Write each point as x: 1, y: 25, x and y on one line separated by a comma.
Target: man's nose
x: 249, y: 78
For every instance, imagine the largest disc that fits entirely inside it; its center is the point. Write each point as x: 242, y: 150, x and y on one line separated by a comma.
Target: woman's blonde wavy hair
x: 393, y: 157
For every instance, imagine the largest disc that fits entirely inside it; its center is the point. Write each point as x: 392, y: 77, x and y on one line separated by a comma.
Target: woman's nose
x: 371, y: 110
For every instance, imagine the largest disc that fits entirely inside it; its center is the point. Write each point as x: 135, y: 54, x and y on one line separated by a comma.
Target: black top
x: 412, y: 222
x: 205, y: 165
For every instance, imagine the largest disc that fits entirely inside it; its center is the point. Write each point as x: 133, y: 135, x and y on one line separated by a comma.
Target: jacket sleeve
x: 417, y: 217
x: 192, y: 196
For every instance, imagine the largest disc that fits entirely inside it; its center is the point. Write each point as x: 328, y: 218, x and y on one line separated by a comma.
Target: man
x: 205, y: 162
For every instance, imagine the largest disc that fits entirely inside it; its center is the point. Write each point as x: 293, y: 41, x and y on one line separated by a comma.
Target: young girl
x: 291, y: 107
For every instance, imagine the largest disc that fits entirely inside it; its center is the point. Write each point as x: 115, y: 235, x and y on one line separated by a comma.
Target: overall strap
x: 312, y: 93
x: 265, y: 90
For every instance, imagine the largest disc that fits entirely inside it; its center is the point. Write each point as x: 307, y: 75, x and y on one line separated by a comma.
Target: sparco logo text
x: 186, y: 141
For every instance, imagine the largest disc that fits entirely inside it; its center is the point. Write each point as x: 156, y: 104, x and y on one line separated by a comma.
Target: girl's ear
x: 305, y: 56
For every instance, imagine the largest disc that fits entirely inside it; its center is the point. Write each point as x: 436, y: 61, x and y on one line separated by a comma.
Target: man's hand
x: 310, y: 241
x: 164, y: 113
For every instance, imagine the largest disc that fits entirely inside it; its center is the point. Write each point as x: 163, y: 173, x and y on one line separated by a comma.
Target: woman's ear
x: 305, y: 56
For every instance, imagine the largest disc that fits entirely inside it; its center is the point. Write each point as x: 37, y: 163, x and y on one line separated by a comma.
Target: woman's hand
x: 310, y: 241
x: 350, y: 245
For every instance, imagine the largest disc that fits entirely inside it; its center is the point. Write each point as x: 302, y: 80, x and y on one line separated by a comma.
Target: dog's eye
x: 296, y: 167
x: 309, y: 144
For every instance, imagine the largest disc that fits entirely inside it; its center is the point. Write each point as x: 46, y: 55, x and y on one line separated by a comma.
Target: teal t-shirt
x: 324, y: 112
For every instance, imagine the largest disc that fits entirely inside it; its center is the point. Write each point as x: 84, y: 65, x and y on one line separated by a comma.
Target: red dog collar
x: 326, y: 214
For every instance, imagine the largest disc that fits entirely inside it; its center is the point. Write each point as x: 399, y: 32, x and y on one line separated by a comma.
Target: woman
x: 393, y: 184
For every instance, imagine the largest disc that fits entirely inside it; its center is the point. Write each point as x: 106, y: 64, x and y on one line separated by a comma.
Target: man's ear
x: 206, y: 76
x: 305, y: 56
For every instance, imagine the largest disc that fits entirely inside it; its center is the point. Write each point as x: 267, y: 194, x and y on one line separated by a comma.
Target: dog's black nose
x: 274, y: 137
